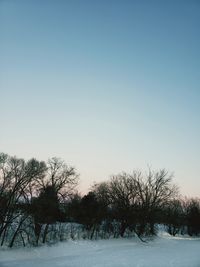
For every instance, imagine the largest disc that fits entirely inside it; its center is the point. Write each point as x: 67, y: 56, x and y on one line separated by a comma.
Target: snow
x: 162, y: 251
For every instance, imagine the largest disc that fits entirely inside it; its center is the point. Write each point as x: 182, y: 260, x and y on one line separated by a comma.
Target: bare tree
x: 154, y: 191
x: 55, y: 188
x: 136, y: 199
x: 59, y: 175
x: 15, y: 177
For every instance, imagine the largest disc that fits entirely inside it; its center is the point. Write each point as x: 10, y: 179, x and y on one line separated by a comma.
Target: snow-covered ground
x: 162, y: 251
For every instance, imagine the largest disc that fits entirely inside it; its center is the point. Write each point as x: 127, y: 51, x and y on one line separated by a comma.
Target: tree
x: 45, y: 210
x: 174, y: 216
x: 193, y: 216
x: 91, y: 213
x: 55, y: 187
x: 155, y: 191
x: 15, y: 177
x: 32, y: 189
x: 60, y: 176
x: 123, y: 194
x: 136, y: 199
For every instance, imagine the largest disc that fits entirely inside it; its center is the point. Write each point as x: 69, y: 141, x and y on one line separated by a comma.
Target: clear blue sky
x: 108, y: 86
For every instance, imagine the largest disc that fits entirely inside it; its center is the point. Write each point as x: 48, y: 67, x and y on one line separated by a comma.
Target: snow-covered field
x: 162, y: 251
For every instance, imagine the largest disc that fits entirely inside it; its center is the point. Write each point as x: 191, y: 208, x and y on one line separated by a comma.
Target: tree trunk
x: 123, y: 228
x: 4, y: 235
x: 37, y: 230
x: 45, y: 233
x: 93, y: 230
x: 16, y: 232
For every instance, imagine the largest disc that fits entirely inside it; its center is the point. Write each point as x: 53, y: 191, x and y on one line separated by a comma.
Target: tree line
x: 39, y: 203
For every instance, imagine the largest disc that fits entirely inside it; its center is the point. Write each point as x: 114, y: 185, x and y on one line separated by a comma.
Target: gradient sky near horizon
x: 108, y: 86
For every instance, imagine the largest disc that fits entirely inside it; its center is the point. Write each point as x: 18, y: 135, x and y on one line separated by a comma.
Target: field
x: 162, y: 251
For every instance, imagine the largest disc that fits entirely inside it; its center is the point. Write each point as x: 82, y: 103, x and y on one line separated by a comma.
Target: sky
x: 108, y: 86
